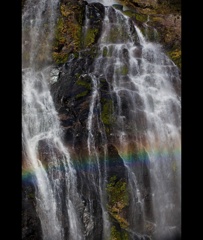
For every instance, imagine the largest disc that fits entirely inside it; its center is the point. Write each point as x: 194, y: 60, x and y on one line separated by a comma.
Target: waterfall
x: 55, y: 181
x: 130, y: 141
x: 147, y: 110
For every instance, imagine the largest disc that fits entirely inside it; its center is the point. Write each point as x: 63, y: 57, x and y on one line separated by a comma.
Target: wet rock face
x: 31, y: 227
x: 95, y: 13
x: 115, y: 163
x: 71, y: 94
x: 70, y: 35
x: 165, y: 17
x: 68, y: 30
x: 94, y: 18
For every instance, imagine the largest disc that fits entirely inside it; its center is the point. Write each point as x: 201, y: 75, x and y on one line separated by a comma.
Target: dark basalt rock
x: 112, y: 15
x: 31, y: 227
x: 118, y: 6
x: 95, y: 13
x: 115, y: 163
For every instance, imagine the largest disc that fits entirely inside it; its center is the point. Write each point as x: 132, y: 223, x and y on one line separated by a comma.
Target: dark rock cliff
x: 74, y: 51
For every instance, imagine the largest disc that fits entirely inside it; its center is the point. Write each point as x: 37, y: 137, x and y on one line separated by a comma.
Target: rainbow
x: 89, y: 164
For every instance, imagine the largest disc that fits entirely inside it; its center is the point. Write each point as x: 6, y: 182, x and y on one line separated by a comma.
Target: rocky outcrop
x: 72, y: 94
x: 160, y: 21
x: 68, y: 32
x: 165, y: 17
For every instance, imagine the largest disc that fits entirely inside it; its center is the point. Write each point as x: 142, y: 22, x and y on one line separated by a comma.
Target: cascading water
x: 147, y: 110
x: 131, y: 136
x: 55, y: 182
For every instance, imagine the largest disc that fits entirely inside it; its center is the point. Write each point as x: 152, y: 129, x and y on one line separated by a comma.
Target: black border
x: 11, y: 92
x: 192, y: 79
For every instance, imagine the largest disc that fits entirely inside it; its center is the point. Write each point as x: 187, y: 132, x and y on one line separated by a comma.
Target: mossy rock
x: 175, y: 55
x: 118, y: 235
x: 162, y: 16
x: 118, y: 6
x: 68, y: 31
x: 107, y: 112
x: 137, y: 16
x: 150, y: 34
x: 60, y: 58
x: 91, y: 37
x: 108, y: 51
x: 118, y: 200
x: 84, y: 81
x: 105, y: 52
x: 82, y: 94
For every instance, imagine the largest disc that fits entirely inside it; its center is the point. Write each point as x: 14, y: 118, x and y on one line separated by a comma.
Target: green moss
x: 118, y: 6
x: 83, y: 82
x: 156, y: 19
x: 82, y: 94
x: 60, y: 28
x: 118, y: 235
x: 115, y: 235
x: 77, y: 75
x: 141, y: 17
x: 60, y: 58
x: 138, y: 16
x: 65, y: 11
x: 117, y: 191
x: 67, y: 33
x: 76, y: 54
x: 31, y: 195
x: 125, y: 236
x: 129, y: 13
x: 175, y: 55
x: 106, y: 114
x: 105, y: 52
x: 90, y: 37
x: 118, y: 200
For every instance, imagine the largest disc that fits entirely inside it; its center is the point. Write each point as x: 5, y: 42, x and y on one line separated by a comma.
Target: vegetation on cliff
x: 68, y: 32
x: 165, y: 17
